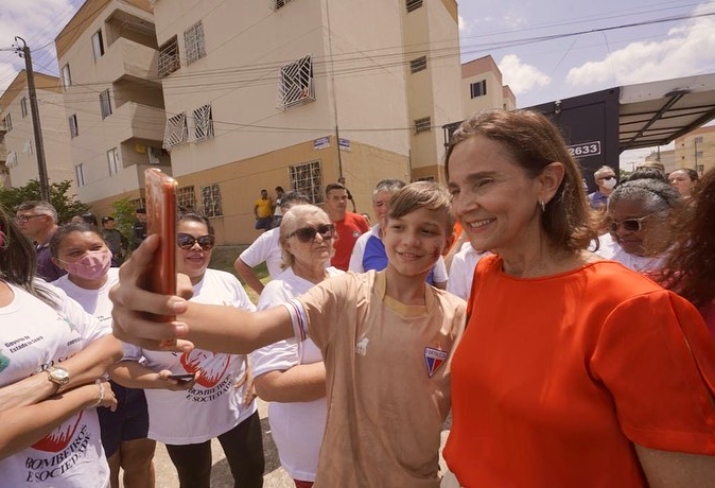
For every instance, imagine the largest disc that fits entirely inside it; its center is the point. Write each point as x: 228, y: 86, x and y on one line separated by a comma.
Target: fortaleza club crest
x: 434, y: 359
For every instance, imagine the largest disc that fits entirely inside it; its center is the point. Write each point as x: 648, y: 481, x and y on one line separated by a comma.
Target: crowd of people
x: 571, y: 335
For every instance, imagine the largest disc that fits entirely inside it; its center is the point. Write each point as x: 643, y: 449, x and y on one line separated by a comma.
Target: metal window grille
x: 478, y: 89
x: 28, y: 149
x: 307, y: 178
x: 74, y: 128
x: 282, y: 3
x: 168, y: 58
x: 423, y: 125
x: 186, y: 197
x: 194, y: 43
x: 105, y: 103
x: 203, y: 123
x: 79, y: 174
x: 413, y: 5
x: 113, y: 159
x: 296, y: 83
x: 418, y: 64
x: 23, y: 107
x: 176, y: 130
x: 8, y: 122
x: 11, y: 161
x: 211, y: 200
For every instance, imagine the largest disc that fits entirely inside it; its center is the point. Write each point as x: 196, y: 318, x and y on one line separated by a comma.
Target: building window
x: 194, y: 43
x: 79, y: 174
x: 113, y: 161
x: 169, y: 58
x: 11, y: 161
x: 23, y: 107
x: 105, y: 103
x: 413, y: 5
x: 176, y: 130
x: 426, y: 178
x: 66, y: 76
x: 203, y: 123
x: 423, y: 125
x: 418, y: 64
x: 154, y: 155
x: 307, y: 178
x: 8, y: 122
x: 211, y: 200
x: 478, y: 89
x: 282, y: 3
x: 97, y: 45
x: 186, y: 198
x: 74, y: 128
x: 29, y: 148
x: 296, y: 83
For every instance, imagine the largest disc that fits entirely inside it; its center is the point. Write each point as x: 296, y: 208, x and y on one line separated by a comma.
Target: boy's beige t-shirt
x: 388, y: 379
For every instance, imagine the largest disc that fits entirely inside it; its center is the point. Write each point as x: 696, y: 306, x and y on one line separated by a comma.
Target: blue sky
x: 546, y: 49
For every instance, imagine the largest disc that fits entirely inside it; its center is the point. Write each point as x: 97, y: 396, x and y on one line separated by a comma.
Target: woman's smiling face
x: 193, y: 261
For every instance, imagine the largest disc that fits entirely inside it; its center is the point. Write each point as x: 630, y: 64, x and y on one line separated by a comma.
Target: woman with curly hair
x: 690, y: 270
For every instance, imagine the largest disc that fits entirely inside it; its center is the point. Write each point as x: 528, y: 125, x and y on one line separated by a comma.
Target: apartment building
x: 114, y: 108
x: 18, y: 152
x: 482, y: 87
x: 696, y: 150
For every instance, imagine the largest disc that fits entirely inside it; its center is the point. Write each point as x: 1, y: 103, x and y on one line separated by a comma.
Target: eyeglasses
x: 187, y: 241
x: 307, y: 234
x: 631, y: 225
x: 610, y: 177
x: 22, y: 219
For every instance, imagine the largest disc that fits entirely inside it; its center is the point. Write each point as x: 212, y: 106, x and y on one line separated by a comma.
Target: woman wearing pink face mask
x: 80, y: 249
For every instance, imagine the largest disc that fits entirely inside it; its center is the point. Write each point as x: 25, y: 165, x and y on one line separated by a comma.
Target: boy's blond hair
x: 422, y: 194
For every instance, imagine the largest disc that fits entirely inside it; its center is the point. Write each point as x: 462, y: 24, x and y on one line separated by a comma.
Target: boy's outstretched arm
x: 211, y: 327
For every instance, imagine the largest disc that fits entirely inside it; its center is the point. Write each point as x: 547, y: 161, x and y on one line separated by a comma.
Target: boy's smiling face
x: 415, y: 241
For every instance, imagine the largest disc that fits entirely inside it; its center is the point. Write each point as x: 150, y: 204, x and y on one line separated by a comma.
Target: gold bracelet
x: 101, y: 393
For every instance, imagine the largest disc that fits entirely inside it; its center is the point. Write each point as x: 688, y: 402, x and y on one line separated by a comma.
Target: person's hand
x: 249, y: 393
x: 103, y: 394
x: 131, y: 306
x: 174, y: 384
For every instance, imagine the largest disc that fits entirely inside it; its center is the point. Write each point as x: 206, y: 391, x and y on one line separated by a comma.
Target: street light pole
x: 24, y: 52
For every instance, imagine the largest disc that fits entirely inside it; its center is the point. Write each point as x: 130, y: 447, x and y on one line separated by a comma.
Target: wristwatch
x: 58, y: 376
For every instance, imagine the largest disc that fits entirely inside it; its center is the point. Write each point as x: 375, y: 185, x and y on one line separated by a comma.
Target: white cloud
x: 686, y: 50
x: 521, y: 77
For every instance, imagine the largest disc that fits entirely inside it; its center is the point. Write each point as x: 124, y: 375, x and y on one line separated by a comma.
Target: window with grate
x: 194, y: 43
x: 113, y: 161
x: 203, y: 123
x: 23, y: 107
x: 413, y: 5
x: 176, y: 130
x: 66, y: 76
x: 307, y: 178
x: 29, y: 148
x: 282, y: 3
x: 97, y: 45
x: 168, y: 57
x: 296, y: 83
x: 105, y: 104
x: 11, y: 161
x: 74, y: 128
x: 423, y: 125
x: 186, y: 198
x: 211, y: 200
x: 79, y: 174
x: 418, y: 64
x: 8, y: 122
x: 478, y: 89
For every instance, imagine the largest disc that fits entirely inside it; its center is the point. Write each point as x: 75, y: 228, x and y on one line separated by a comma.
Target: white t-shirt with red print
x: 213, y: 405
x: 33, y: 337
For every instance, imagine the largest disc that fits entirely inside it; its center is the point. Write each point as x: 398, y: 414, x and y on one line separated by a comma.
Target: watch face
x: 59, y: 375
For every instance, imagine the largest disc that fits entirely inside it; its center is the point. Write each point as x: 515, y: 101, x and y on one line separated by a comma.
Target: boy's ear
x: 451, y: 239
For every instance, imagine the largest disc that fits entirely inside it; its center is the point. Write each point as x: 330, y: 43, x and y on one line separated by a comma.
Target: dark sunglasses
x: 631, y: 225
x: 187, y: 241
x: 307, y: 234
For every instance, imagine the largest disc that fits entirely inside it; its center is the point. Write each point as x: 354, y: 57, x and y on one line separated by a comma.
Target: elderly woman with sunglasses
x: 642, y: 222
x: 198, y: 395
x: 289, y: 375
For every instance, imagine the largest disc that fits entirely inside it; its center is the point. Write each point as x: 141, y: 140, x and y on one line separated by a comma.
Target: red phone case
x: 160, y: 277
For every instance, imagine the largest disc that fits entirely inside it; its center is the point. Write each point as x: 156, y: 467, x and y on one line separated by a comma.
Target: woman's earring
x: 543, y: 205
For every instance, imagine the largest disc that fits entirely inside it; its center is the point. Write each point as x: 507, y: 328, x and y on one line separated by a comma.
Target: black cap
x: 107, y: 219
x: 141, y: 210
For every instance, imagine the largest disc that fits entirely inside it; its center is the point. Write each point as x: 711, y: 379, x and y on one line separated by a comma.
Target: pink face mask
x: 92, y: 266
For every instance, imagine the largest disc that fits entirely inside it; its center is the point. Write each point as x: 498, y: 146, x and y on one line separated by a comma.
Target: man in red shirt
x: 348, y: 225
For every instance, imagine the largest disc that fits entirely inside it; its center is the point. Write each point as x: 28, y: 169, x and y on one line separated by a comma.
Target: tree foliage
x: 65, y: 204
x: 123, y: 213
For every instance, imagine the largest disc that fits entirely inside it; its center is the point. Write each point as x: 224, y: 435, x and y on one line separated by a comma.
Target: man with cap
x: 138, y: 228
x: 116, y: 241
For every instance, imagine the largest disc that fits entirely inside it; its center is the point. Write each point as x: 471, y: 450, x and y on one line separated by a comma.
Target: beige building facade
x: 114, y: 108
x: 696, y: 150
x: 18, y: 151
x: 483, y: 88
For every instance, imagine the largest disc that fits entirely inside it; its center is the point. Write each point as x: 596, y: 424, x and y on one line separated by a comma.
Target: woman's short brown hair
x: 535, y: 142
